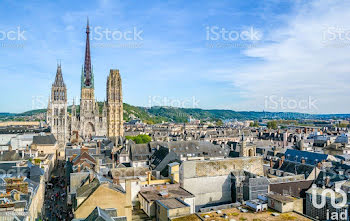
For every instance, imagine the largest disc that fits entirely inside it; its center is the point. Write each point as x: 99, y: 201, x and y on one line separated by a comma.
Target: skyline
x: 177, y: 56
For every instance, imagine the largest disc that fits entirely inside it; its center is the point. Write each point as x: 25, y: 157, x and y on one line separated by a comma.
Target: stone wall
x: 210, y: 180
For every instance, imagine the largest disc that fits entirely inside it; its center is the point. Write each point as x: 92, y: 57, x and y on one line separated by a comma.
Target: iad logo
x: 341, y: 215
x: 328, y: 193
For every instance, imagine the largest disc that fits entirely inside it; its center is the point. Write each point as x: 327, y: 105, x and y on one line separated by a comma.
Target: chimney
x: 27, y: 147
x: 319, y: 165
x: 91, y: 175
x: 22, y: 154
x: 128, y: 207
x: 113, y: 161
x: 328, y: 179
x: 116, y: 180
x: 280, y: 162
x: 271, y: 163
x: 149, y: 177
x: 79, y: 168
x: 97, y: 167
x: 303, y: 161
x: 99, y: 148
x: 128, y: 192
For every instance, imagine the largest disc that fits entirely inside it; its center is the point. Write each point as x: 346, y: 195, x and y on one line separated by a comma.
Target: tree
x: 219, y: 123
x: 139, y: 139
x: 254, y: 124
x: 272, y: 125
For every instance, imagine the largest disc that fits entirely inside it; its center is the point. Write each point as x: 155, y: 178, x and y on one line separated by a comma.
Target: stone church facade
x: 89, y: 119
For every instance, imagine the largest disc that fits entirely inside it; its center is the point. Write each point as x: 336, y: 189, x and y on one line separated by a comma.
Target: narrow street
x: 56, y: 197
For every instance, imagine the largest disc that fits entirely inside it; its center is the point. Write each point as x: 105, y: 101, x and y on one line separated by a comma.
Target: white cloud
x: 297, y: 63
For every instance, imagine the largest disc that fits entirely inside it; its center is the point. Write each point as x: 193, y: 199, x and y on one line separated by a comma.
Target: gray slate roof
x: 44, y: 140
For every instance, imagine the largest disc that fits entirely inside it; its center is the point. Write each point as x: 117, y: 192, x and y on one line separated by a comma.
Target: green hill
x: 180, y: 115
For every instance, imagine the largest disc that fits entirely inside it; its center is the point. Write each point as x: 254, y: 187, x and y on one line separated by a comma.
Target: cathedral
x: 89, y: 119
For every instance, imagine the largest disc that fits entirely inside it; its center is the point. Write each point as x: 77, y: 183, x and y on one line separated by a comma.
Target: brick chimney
x: 271, y: 163
x: 280, y: 162
x: 116, y: 180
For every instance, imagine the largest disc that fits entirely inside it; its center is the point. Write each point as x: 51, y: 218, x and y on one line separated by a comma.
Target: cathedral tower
x: 114, y: 105
x: 90, y: 119
x: 56, y: 116
x: 87, y: 98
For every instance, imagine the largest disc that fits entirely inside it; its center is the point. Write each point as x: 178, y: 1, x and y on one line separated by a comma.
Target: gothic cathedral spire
x: 56, y: 116
x: 87, y: 74
x: 59, y: 78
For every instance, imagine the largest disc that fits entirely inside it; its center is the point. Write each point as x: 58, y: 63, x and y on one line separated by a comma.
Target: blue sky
x: 292, y: 66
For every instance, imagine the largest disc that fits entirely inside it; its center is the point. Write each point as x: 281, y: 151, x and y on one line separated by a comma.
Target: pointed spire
x: 87, y: 64
x: 59, y: 78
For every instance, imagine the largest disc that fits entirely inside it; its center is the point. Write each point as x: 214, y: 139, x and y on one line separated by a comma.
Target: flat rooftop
x: 280, y: 198
x: 165, y: 193
x: 172, y: 203
x: 235, y: 214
